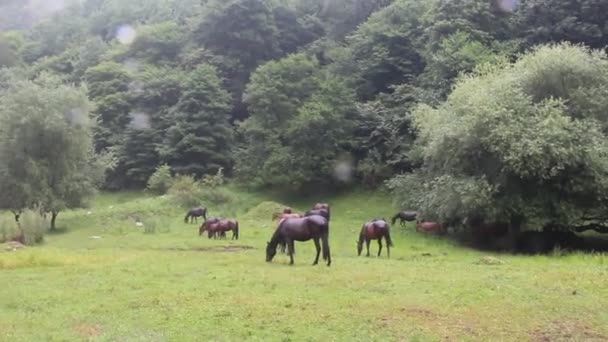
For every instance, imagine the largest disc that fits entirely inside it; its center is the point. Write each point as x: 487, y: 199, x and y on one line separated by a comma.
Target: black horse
x: 405, y: 216
x: 313, y: 227
x: 375, y: 229
x: 194, y: 213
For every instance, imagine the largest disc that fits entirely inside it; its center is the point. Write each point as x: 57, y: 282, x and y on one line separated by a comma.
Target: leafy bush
x: 150, y: 227
x: 161, y: 180
x: 33, y: 227
x: 214, y: 181
x: 8, y: 229
x: 186, y: 191
x: 217, y: 196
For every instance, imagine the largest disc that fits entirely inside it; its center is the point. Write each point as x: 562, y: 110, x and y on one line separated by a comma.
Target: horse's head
x: 359, y: 247
x: 270, y: 252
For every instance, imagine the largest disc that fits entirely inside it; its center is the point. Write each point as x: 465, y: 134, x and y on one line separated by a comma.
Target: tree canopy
x: 522, y: 143
x: 46, y: 147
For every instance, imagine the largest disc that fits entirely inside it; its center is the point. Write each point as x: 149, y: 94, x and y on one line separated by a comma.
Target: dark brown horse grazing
x: 313, y: 227
x: 217, y: 228
x: 195, y: 213
x: 375, y: 229
x: 404, y: 216
x: 430, y: 227
x: 208, y: 222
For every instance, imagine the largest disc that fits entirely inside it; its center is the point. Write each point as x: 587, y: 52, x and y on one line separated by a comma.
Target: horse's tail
x: 236, y: 229
x: 394, y: 219
x: 389, y: 241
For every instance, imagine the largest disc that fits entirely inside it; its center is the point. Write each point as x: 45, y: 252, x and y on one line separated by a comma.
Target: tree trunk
x: 53, y: 218
x: 17, y: 215
x: 514, y: 229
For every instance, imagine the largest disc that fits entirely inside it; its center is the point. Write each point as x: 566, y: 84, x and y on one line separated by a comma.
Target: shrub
x: 8, y: 229
x: 214, y: 181
x: 33, y: 227
x: 161, y: 180
x: 216, y: 196
x: 186, y: 191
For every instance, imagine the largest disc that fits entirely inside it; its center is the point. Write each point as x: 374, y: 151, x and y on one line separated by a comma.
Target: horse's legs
x: 318, y: 247
x: 326, y: 251
x: 379, y: 245
x: 290, y: 250
x: 388, y: 247
x: 367, y: 241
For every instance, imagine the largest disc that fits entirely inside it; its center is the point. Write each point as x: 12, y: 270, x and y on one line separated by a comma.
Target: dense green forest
x: 491, y: 108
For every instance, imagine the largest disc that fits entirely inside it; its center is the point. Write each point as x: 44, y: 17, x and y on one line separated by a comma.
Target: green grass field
x: 102, y: 278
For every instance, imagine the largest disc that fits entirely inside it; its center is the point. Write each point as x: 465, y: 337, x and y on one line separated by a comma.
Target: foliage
x: 458, y: 53
x: 199, y: 140
x: 33, y: 226
x: 577, y: 21
x: 383, y: 135
x: 10, y: 46
x: 159, y: 43
x: 383, y: 51
x: 161, y: 180
x: 214, y: 181
x: 272, y: 62
x: 508, y: 140
x: 299, y: 120
x: 8, y: 229
x: 50, y: 126
x: 186, y: 191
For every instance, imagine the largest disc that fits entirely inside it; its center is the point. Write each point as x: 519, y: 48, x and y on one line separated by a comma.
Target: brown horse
x: 281, y: 216
x: 217, y: 228
x: 194, y: 213
x: 287, y: 213
x: 404, y: 216
x: 430, y: 227
x: 301, y: 229
x: 375, y: 229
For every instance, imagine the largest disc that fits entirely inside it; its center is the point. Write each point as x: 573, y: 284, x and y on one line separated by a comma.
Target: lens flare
x: 126, y: 34
x: 507, y: 5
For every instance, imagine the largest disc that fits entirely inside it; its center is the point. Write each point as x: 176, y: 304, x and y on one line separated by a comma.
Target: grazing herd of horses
x: 312, y: 225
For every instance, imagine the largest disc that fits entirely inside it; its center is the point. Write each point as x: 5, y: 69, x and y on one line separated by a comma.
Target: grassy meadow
x: 102, y: 278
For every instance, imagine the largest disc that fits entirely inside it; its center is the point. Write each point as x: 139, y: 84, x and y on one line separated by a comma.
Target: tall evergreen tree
x: 199, y: 141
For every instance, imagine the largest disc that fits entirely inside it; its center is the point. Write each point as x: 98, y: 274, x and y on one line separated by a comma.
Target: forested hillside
x: 466, y: 106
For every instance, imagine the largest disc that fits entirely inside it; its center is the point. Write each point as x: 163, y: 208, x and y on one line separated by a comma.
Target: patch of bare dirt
x: 13, y: 246
x: 420, y: 313
x: 566, y: 331
x: 229, y: 248
x: 87, y: 330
